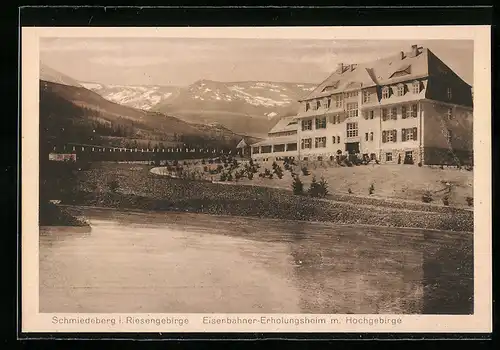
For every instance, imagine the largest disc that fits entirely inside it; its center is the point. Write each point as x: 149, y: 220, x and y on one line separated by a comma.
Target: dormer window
x: 318, y: 104
x: 385, y: 92
x: 416, y: 87
x: 401, y: 89
x: 308, y: 106
x: 366, y: 96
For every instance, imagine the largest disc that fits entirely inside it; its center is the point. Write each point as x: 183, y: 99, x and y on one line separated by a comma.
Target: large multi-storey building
x: 410, y: 106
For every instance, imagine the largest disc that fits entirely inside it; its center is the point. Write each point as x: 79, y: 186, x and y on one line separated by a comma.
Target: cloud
x: 129, y: 61
x: 77, y: 45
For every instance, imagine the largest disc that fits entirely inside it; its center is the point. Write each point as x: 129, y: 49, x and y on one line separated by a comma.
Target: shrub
x: 305, y: 172
x: 427, y: 197
x: 175, y: 162
x: 371, y: 189
x: 420, y: 164
x: 220, y: 168
x: 113, y: 185
x: 185, y: 163
x: 323, y: 187
x: 205, y: 169
x: 446, y: 200
x: 250, y: 175
x: 314, y: 188
x: 229, y: 177
x: 349, y: 190
x: 203, y: 162
x: 297, y: 186
x: 210, y: 161
x: 469, y: 200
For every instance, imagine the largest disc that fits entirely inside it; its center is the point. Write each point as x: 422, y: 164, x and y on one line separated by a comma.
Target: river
x: 195, y: 263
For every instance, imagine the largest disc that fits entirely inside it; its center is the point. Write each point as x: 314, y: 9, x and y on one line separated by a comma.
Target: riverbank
x: 57, y: 216
x: 216, y: 199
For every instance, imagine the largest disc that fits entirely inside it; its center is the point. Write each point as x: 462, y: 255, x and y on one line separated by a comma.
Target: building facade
x: 407, y: 108
x: 281, y: 141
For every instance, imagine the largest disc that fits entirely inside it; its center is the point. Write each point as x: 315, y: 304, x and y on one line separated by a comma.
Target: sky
x: 182, y: 61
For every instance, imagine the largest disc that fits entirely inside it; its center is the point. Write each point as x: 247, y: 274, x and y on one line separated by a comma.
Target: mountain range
x: 71, y: 113
x: 248, y: 107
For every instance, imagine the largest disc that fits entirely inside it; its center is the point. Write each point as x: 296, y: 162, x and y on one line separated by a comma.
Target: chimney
x: 340, y: 68
x: 414, y: 50
x: 402, y: 55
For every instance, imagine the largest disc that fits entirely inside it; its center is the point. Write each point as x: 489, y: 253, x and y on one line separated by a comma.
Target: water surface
x: 197, y: 263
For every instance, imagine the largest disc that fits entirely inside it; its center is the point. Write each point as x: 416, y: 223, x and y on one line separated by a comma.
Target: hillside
x: 250, y: 108
x: 49, y: 74
x: 137, y: 96
x: 75, y: 114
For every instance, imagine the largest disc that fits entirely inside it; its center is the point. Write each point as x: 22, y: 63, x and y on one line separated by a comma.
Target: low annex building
x: 281, y: 141
x: 407, y: 107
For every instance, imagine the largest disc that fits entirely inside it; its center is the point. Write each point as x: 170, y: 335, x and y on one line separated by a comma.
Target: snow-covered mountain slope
x: 248, y: 107
x: 141, y: 97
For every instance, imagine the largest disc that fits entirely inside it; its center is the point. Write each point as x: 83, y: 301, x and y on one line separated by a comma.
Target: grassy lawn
x: 395, y: 182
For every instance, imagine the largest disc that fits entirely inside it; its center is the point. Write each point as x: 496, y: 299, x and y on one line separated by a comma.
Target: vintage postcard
x: 288, y: 179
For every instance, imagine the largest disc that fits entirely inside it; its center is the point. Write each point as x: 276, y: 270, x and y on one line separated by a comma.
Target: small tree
x: 314, y: 189
x: 323, y: 187
x: 371, y: 189
x: 297, y: 186
x: 113, y: 186
x: 427, y: 197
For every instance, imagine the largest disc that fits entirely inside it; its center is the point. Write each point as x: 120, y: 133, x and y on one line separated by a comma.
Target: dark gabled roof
x: 389, y: 70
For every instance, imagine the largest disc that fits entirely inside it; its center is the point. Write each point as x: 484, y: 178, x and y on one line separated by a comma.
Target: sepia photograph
x: 259, y: 176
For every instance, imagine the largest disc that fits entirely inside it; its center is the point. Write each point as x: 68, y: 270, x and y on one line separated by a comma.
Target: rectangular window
x: 328, y: 103
x: 371, y: 136
x: 414, y: 109
x: 416, y: 87
x: 279, y: 148
x: 366, y: 136
x: 321, y: 123
x: 394, y: 113
x: 291, y: 147
x: 389, y: 136
x: 449, y: 113
x: 403, y: 112
x: 384, y: 114
x: 388, y: 157
x: 372, y: 113
x: 266, y: 149
x: 307, y: 125
x: 256, y: 150
x: 409, y: 154
x: 366, y: 96
x: 308, y: 106
x: 338, y: 139
x: 352, y: 109
x: 385, y: 92
x: 320, y: 142
x: 338, y: 101
x: 352, y: 129
x: 449, y: 93
x: 401, y: 89
x: 334, y: 138
x: 306, y: 143
x: 318, y: 104
x: 409, y: 134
